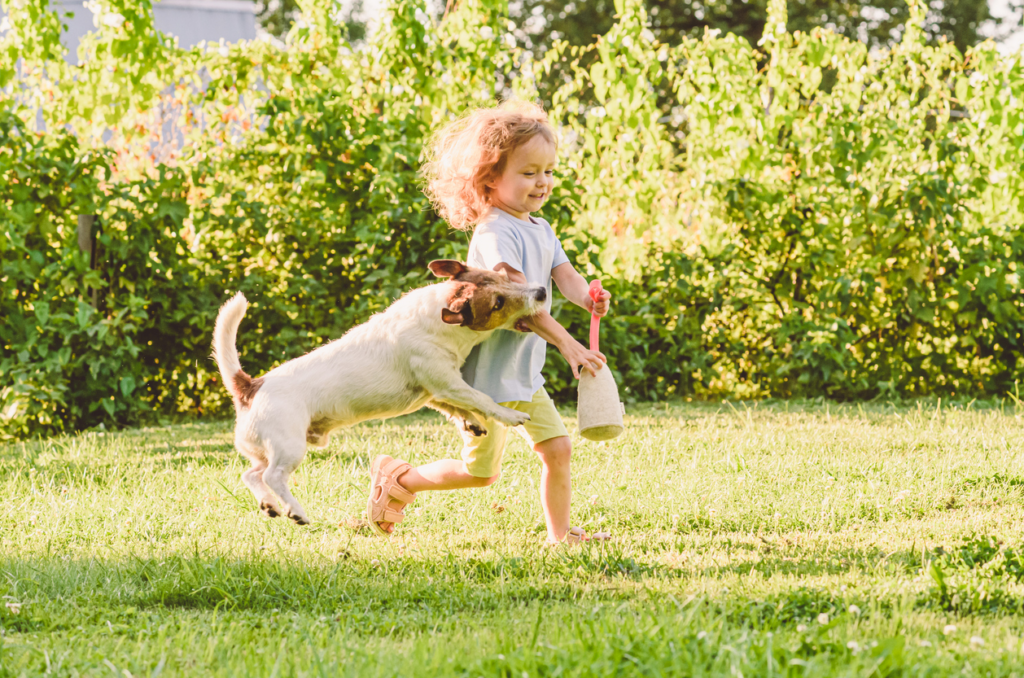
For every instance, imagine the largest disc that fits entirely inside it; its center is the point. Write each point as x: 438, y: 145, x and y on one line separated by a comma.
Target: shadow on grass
x: 994, y: 480
x: 769, y: 560
x: 449, y: 583
x: 393, y: 598
x: 397, y: 595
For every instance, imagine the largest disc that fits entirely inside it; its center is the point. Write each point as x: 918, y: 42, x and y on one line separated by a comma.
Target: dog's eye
x: 499, y: 302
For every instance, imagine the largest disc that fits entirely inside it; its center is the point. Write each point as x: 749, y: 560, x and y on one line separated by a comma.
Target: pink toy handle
x: 595, y: 320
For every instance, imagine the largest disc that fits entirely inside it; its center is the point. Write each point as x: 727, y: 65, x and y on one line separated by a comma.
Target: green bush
x: 805, y: 219
x: 67, y: 363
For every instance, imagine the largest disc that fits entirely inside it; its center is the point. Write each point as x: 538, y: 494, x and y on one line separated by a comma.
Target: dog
x: 400, y: 360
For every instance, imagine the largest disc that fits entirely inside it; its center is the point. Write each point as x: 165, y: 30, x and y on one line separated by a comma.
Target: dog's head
x: 485, y: 300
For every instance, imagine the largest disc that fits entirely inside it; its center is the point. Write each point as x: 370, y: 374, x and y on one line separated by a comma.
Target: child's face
x: 528, y: 178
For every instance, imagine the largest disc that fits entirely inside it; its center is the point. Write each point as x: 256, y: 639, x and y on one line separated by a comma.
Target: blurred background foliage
x: 878, y: 24
x: 541, y: 22
x: 803, y: 216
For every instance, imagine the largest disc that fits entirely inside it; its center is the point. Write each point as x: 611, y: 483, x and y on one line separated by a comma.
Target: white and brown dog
x: 400, y: 360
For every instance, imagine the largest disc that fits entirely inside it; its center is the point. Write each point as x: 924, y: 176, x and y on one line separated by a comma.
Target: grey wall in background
x: 191, y: 21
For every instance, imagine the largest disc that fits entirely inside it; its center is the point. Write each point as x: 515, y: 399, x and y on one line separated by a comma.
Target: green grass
x: 743, y: 536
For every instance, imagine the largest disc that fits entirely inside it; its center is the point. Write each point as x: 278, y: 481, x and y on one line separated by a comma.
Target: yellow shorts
x: 482, y: 454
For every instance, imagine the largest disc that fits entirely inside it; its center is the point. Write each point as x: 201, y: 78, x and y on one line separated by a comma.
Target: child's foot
x: 577, y: 535
x: 387, y: 497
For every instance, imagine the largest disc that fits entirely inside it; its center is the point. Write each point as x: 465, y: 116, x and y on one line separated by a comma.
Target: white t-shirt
x: 508, y: 365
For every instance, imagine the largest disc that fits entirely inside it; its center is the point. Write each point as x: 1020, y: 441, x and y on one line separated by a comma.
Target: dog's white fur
x: 397, y: 362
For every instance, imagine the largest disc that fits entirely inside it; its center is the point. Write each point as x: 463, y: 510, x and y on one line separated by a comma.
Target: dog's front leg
x: 464, y: 396
x: 463, y: 419
x: 443, y: 381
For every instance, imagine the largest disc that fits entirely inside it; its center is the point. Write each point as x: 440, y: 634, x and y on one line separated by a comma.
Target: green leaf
x: 961, y: 89
x: 597, y: 77
x: 42, y: 312
x: 127, y: 385
x: 83, y: 314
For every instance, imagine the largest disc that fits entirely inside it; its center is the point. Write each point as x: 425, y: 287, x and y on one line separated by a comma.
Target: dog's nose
x: 541, y: 294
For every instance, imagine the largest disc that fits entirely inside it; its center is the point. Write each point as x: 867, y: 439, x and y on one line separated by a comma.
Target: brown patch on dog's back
x: 317, y: 434
x: 244, y: 389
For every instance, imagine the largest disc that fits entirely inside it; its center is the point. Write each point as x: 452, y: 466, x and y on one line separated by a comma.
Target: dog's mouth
x: 534, y: 303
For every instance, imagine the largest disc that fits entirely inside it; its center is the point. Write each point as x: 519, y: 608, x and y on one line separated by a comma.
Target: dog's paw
x: 471, y: 427
x: 511, y: 417
x: 299, y: 520
x: 269, y: 510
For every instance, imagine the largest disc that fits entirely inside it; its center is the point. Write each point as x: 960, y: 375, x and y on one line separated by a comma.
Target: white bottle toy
x: 599, y: 411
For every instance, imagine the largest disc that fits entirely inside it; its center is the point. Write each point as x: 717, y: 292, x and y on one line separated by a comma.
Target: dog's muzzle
x: 540, y: 294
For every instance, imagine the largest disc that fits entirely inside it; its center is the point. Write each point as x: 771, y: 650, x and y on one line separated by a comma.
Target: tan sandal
x: 577, y: 535
x: 384, y: 488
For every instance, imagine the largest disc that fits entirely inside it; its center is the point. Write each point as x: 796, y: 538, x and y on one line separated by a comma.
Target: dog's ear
x: 446, y: 268
x: 458, y: 311
x: 451, y: 317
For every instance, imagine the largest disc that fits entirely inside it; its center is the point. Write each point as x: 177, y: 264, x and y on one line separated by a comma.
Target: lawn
x: 750, y: 539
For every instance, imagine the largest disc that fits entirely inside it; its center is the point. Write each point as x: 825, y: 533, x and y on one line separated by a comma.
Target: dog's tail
x: 240, y: 385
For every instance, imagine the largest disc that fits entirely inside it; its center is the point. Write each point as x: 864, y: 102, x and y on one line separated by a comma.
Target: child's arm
x: 549, y: 329
x: 576, y: 289
x: 575, y: 353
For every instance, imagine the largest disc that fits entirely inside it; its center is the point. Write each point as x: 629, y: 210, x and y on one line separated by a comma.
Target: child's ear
x: 446, y: 268
x: 492, y: 179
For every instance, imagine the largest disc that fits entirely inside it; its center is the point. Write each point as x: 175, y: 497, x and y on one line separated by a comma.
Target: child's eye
x: 528, y: 174
x: 550, y: 173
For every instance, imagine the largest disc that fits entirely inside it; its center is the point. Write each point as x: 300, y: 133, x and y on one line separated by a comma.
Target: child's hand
x: 600, y: 308
x: 577, y: 356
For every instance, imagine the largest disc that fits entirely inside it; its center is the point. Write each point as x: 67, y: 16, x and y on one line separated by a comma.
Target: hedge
x: 799, y: 218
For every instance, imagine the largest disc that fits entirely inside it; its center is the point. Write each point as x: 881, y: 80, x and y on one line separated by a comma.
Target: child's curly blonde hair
x: 471, y: 152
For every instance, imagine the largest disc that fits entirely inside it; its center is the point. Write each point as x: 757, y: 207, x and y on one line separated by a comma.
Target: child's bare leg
x: 481, y: 453
x: 446, y: 474
x: 555, y: 485
x: 453, y: 474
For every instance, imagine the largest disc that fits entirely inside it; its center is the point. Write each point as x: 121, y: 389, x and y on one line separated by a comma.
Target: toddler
x: 489, y: 172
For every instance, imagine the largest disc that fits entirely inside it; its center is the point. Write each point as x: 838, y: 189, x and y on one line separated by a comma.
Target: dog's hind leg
x: 253, y: 479
x: 284, y: 456
x: 253, y: 450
